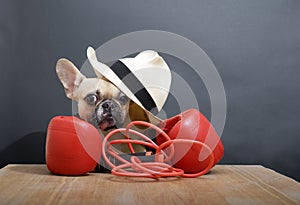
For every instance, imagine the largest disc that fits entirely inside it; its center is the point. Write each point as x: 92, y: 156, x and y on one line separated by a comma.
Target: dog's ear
x: 69, y: 76
x: 136, y: 113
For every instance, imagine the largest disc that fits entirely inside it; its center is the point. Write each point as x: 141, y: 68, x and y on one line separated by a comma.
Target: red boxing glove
x: 73, y: 146
x: 192, y: 125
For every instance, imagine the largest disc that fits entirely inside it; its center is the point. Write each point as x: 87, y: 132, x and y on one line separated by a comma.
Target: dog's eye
x: 91, y: 99
x: 123, y: 99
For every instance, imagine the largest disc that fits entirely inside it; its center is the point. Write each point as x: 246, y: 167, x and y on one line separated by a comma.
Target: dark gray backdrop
x: 255, y: 46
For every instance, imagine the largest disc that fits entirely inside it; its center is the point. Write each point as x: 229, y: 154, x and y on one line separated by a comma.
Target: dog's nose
x: 107, y: 106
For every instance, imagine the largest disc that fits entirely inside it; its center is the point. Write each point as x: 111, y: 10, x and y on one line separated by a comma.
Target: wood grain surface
x: 225, y: 184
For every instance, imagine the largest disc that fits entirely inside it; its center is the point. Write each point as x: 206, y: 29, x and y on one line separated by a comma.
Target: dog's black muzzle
x: 106, y: 114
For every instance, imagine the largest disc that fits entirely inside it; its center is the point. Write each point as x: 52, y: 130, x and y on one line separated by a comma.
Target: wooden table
x: 225, y: 184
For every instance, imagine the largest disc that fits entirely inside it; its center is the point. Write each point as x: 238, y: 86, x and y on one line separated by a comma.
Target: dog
x: 100, y: 102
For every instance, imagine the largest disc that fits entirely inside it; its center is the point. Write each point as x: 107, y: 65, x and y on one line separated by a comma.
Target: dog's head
x: 99, y: 102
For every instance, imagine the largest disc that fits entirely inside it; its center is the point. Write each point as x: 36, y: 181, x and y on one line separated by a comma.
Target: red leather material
x: 73, y: 146
x: 192, y: 125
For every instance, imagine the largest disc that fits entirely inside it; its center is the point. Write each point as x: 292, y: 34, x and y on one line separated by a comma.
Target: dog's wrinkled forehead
x: 96, y: 85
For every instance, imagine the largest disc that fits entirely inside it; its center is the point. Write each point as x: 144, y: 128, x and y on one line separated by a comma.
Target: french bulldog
x: 100, y: 102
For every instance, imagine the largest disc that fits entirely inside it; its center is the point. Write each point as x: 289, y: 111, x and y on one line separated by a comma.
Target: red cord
x: 158, y: 168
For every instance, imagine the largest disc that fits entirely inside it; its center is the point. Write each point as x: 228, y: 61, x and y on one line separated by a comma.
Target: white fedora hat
x: 145, y: 79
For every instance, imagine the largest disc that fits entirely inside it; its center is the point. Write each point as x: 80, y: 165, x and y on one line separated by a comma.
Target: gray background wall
x: 255, y: 46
